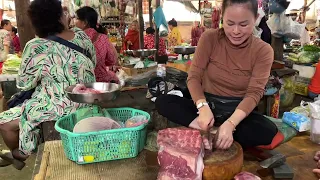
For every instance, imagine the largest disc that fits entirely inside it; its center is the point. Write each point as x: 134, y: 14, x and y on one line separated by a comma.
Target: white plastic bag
x: 130, y: 8
x: 294, y: 29
x: 163, y: 31
x: 315, y: 121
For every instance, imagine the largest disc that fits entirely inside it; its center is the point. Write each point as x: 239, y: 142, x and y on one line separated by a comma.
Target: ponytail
x: 100, y: 29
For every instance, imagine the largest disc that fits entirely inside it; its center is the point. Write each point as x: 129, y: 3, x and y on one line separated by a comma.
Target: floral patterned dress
x: 5, y: 40
x: 49, y: 67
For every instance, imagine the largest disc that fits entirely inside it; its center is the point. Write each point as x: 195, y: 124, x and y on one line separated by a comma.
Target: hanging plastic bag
x: 130, y: 8
x: 274, y: 25
x: 293, y: 29
x: 315, y: 121
x: 108, y: 9
x: 163, y: 31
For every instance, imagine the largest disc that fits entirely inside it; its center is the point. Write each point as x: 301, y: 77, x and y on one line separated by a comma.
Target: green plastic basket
x: 104, y: 145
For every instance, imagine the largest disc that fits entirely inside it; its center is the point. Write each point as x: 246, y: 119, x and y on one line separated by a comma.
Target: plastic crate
x: 301, y: 85
x: 104, y: 145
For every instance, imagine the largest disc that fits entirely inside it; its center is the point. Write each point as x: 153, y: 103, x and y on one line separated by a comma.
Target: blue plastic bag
x: 298, y: 121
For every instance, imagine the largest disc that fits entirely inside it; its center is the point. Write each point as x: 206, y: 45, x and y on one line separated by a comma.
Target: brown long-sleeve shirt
x: 221, y: 68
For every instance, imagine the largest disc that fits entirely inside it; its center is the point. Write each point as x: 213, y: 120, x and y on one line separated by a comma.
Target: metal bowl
x: 112, y: 92
x: 141, y: 52
x: 184, y: 50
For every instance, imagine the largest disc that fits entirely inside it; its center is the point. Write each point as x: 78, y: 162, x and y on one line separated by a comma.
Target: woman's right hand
x: 205, y: 119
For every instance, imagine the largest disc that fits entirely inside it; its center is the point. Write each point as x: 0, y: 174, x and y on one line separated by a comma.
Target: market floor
x: 10, y: 173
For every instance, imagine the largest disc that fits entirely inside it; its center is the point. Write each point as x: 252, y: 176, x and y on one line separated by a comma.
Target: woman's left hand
x: 225, y: 137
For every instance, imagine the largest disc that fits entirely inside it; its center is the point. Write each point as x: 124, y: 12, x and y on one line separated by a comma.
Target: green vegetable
x: 311, y: 48
x: 293, y: 59
x: 308, y: 57
x: 294, y: 55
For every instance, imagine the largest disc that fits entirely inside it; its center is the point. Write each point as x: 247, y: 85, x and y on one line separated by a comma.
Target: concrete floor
x: 10, y: 173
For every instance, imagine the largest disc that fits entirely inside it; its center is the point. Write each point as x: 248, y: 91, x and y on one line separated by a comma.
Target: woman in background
x: 107, y: 57
x: 48, y: 67
x: 174, y: 38
x: 196, y: 33
x: 149, y: 42
x: 5, y: 39
x: 131, y: 40
x: 15, y: 40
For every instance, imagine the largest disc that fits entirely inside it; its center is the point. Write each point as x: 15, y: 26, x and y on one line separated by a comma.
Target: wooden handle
x: 43, y: 167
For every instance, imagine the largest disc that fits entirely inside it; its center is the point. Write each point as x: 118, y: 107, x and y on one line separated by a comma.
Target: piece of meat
x: 246, y: 176
x: 82, y: 89
x: 180, y: 154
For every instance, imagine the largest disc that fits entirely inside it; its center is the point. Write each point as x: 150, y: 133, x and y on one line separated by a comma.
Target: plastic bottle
x: 161, y: 70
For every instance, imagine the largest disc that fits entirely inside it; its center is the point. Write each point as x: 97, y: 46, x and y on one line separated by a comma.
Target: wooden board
x: 223, y: 164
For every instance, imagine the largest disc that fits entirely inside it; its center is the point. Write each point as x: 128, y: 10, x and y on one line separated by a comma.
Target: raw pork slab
x: 180, y: 154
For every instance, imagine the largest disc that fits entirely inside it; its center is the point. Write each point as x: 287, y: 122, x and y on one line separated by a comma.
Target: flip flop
x: 7, y: 156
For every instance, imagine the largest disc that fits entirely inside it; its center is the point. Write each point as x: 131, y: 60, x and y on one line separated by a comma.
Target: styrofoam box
x: 305, y: 71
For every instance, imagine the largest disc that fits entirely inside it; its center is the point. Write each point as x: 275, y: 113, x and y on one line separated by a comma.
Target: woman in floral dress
x: 107, y: 56
x: 49, y: 67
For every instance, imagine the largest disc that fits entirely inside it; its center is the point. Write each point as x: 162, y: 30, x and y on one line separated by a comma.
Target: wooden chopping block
x: 223, y: 164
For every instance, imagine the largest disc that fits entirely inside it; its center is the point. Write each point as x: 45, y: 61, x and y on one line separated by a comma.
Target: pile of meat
x: 82, y: 89
x: 180, y: 154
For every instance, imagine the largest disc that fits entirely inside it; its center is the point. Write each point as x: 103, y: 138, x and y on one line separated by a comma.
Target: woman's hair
x: 46, y: 17
x: 14, y: 29
x: 90, y: 16
x: 4, y: 22
x: 150, y: 30
x: 173, y: 22
x: 252, y: 5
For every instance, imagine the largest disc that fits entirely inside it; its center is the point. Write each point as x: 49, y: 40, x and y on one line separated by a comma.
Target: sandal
x: 7, y: 156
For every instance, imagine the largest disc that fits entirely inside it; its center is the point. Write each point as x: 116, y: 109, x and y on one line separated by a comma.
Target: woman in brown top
x: 226, y: 81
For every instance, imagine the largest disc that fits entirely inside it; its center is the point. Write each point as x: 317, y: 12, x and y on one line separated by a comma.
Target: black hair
x: 14, y: 29
x: 253, y: 5
x: 46, y: 17
x: 4, y: 22
x: 173, y: 22
x: 150, y: 30
x: 90, y: 16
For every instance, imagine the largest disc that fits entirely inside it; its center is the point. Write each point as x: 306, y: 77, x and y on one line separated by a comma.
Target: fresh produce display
x: 306, y: 55
x: 311, y: 48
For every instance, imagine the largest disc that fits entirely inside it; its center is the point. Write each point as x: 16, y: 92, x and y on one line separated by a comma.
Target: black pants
x: 253, y: 131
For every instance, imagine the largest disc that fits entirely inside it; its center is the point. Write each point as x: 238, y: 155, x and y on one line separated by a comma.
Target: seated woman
x: 131, y: 41
x: 174, y: 37
x: 149, y: 42
x: 6, y: 45
x: 226, y: 81
x: 107, y: 56
x: 49, y: 67
x: 314, y: 86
